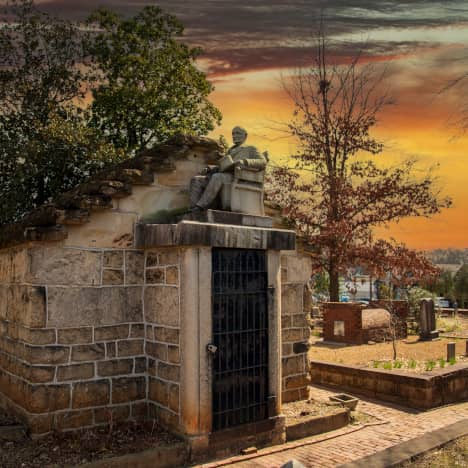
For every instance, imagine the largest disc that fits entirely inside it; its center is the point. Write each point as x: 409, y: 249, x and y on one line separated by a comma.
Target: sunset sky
x: 250, y: 45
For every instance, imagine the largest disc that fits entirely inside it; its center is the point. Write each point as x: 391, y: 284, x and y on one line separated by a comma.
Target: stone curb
x: 318, y: 425
x: 176, y: 455
x: 393, y: 456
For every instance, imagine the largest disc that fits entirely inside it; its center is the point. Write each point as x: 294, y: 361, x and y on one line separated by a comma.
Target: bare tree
x: 331, y: 194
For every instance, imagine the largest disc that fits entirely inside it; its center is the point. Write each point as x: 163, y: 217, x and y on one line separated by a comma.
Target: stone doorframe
x: 196, y: 334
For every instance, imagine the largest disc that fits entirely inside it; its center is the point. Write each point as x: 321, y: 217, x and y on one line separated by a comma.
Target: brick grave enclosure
x: 424, y: 391
x: 348, y: 322
x: 93, y: 326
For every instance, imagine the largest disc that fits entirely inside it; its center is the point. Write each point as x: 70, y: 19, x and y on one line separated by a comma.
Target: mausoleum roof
x: 49, y: 222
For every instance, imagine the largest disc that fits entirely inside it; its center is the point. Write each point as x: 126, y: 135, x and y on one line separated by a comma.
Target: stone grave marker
x: 427, y: 321
x: 450, y: 351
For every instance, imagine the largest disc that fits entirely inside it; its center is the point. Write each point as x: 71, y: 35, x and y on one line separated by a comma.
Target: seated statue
x: 205, y: 188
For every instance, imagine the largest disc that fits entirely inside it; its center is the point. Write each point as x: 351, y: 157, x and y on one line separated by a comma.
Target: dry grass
x: 407, y: 350
x: 454, y: 454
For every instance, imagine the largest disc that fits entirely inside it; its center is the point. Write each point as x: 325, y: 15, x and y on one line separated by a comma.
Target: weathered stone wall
x: 76, y: 327
x: 162, y: 318
x: 295, y: 330
x: 89, y: 335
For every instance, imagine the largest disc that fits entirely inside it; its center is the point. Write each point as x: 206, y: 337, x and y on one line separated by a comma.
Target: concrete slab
x: 213, y: 235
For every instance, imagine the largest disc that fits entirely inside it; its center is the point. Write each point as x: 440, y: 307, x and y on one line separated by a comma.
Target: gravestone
x: 427, y: 321
x: 451, y: 350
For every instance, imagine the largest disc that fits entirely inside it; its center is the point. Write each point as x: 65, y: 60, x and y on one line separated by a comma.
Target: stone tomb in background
x: 199, y: 325
x: 353, y: 323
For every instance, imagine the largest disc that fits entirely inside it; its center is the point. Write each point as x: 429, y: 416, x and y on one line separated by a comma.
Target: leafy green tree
x: 45, y: 145
x: 415, y: 296
x: 52, y: 158
x: 150, y: 88
x: 443, y: 285
x: 461, y: 286
x: 39, y: 56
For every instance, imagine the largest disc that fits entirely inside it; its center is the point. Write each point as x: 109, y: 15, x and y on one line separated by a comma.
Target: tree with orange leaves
x: 331, y: 193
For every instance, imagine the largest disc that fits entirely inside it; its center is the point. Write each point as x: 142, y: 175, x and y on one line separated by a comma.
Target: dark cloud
x: 244, y: 34
x: 235, y: 60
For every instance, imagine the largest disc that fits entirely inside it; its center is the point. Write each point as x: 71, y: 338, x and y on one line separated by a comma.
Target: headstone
x: 450, y: 351
x: 427, y: 321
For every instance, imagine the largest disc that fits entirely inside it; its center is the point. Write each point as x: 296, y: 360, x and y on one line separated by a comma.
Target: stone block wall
x: 162, y: 319
x: 90, y: 335
x: 76, y: 341
x: 295, y: 329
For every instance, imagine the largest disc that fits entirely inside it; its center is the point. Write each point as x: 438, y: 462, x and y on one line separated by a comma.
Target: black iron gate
x: 240, y: 334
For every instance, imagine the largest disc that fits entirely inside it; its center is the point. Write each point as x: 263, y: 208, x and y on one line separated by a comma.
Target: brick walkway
x: 396, y: 425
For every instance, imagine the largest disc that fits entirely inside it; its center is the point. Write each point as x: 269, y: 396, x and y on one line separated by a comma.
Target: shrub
x: 430, y: 365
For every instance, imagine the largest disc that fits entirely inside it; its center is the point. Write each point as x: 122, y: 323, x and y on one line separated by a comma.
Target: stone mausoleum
x: 115, y: 307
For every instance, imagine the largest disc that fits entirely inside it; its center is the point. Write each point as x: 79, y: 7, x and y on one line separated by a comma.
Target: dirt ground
x: 411, y: 353
x: 77, y: 448
x: 6, y: 419
x: 299, y: 411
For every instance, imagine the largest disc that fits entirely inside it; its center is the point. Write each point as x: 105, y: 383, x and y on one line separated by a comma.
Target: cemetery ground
x: 413, y: 355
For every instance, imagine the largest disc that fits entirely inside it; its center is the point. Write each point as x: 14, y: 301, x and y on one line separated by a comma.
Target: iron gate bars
x: 240, y: 334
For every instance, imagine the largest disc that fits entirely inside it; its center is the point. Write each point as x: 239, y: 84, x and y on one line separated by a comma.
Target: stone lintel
x: 230, y: 217
x: 213, y: 235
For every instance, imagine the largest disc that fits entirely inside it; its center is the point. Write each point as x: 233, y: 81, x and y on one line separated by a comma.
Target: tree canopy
x: 150, y: 87
x: 144, y: 84
x: 461, y: 286
x: 45, y: 145
x: 330, y: 191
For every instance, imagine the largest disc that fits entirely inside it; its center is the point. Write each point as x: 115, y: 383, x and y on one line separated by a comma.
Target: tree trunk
x: 334, y: 289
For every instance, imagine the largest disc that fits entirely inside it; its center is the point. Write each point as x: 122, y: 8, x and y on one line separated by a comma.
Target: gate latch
x: 211, y: 348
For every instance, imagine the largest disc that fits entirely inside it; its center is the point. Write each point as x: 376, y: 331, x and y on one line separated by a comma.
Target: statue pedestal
x: 229, y: 217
